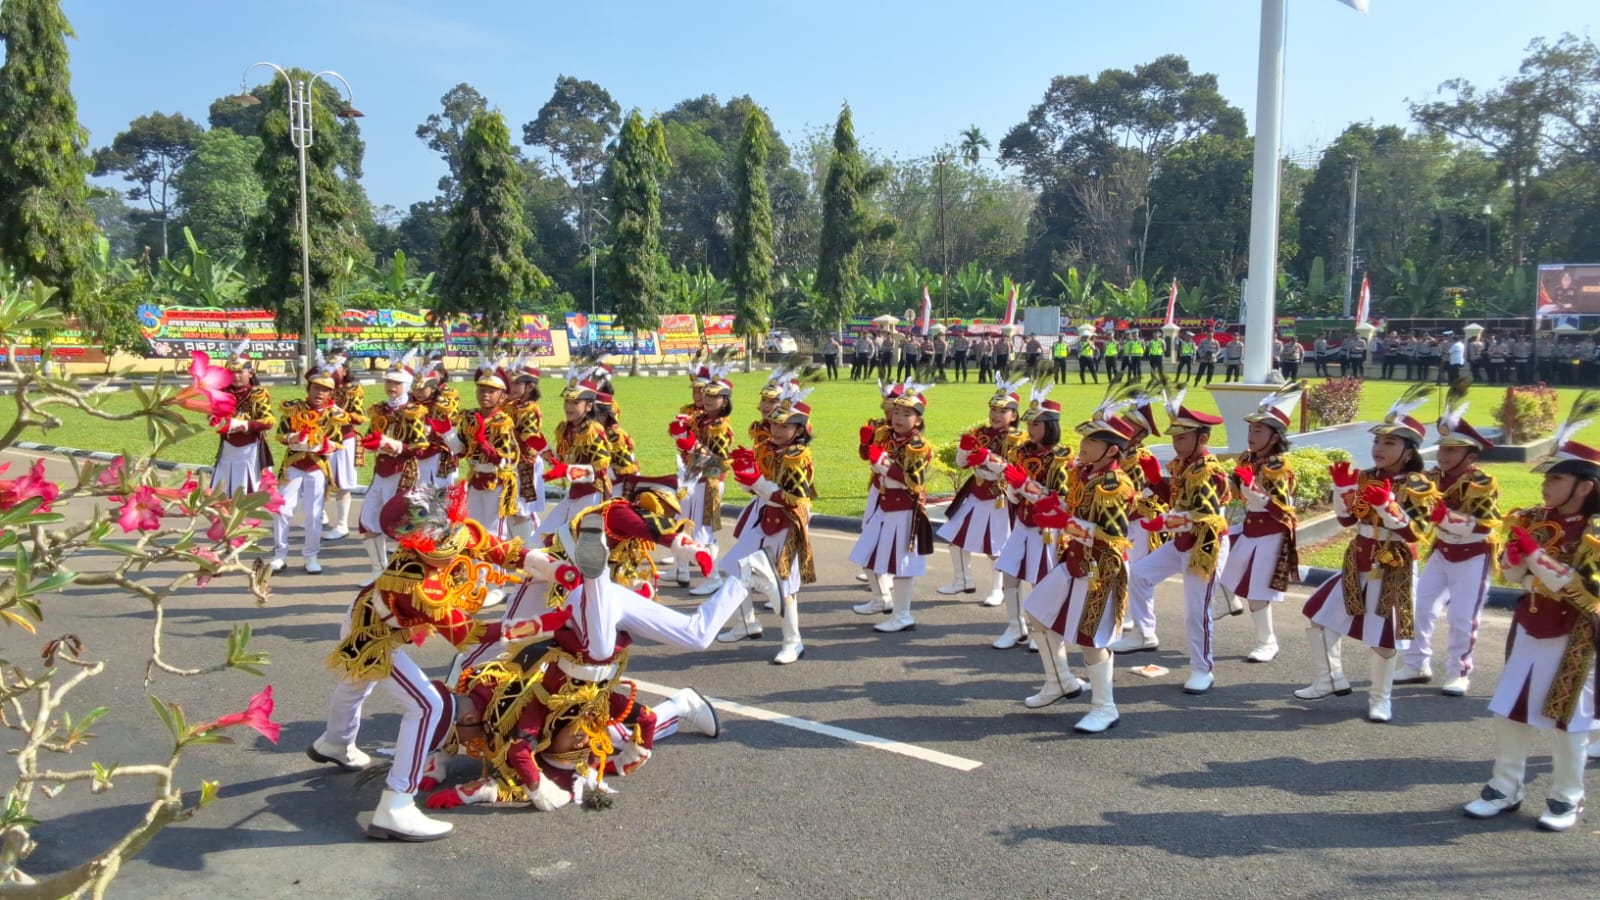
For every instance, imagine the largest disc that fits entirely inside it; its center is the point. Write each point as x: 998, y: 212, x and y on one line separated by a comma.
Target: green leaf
x: 240, y: 657
x: 102, y: 777
x: 16, y: 812
x: 172, y: 716
x: 208, y: 792
x: 209, y: 737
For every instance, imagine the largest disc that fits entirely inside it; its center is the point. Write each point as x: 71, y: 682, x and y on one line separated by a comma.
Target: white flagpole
x: 1261, y: 305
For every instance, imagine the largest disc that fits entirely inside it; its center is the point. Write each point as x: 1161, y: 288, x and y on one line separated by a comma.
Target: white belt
x: 580, y: 672
x: 1445, y: 537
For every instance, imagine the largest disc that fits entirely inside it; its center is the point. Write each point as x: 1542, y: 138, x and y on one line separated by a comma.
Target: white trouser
x: 1456, y: 588
x: 1514, y: 740
x: 379, y: 493
x: 483, y: 507
x: 300, y: 486
x: 1163, y: 563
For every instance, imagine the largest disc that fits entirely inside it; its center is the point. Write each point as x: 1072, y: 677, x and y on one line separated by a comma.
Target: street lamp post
x: 300, y: 93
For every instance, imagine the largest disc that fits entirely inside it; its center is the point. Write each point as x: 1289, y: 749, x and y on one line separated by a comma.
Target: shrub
x: 1333, y: 402
x: 1313, y: 483
x: 1533, y: 410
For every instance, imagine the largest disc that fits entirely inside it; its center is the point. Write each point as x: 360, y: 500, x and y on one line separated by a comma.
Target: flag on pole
x: 1172, y: 301
x: 1011, y: 307
x: 1359, y: 6
x: 1365, y: 305
x: 927, y: 309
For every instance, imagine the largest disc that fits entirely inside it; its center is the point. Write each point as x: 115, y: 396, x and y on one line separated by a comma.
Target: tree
x: 1200, y: 228
x: 574, y: 125
x: 273, y: 242
x: 752, y: 235
x: 848, y: 223
x: 635, y: 266
x: 220, y: 192
x: 972, y: 144
x: 46, y: 227
x: 150, y: 155
x: 445, y: 131
x: 485, y: 271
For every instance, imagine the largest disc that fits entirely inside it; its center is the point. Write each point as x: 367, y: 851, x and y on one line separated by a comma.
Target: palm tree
x: 971, y: 140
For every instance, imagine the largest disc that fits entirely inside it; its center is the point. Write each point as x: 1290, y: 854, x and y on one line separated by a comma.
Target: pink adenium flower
x: 204, y: 577
x: 269, y: 484
x: 257, y: 715
x: 114, y: 473
x: 207, y: 392
x: 33, y: 484
x: 141, y: 512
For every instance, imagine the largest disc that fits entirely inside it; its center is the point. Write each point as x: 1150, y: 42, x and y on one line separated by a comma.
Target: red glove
x: 1246, y: 475
x: 1153, y: 525
x: 1377, y: 493
x: 868, y: 432
x: 686, y: 443
x: 448, y: 799
x: 742, y: 458
x: 968, y: 443
x: 1015, y: 476
x: 1523, y: 541
x: 746, y: 477
x: 439, y: 426
x: 704, y: 560
x: 1343, y: 474
x: 679, y: 426
x: 1513, y: 555
x: 875, y: 453
x: 1151, y: 467
x: 1439, y: 512
x: 1047, y: 513
x: 537, y: 443
x: 556, y: 472
x: 371, y: 441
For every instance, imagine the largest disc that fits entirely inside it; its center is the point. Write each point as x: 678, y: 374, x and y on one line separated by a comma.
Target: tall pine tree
x: 635, y: 266
x: 273, y: 242
x: 485, y: 270
x: 752, y: 234
x: 847, y: 224
x: 46, y: 227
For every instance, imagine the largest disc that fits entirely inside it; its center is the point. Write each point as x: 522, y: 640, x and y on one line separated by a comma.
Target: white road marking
x: 958, y: 763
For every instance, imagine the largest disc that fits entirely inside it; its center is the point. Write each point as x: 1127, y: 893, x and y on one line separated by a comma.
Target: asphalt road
x: 1241, y: 792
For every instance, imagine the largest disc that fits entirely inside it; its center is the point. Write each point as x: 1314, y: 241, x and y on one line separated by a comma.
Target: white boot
x: 880, y: 603
x: 1382, y: 686
x: 1136, y: 641
x: 1266, y: 649
x: 746, y: 627
x: 1015, y: 631
x: 377, y: 554
x: 398, y: 818
x: 694, y: 714
x: 1326, y: 658
x: 1059, y: 682
x: 901, y: 620
x: 792, y: 649
x: 1102, y: 706
x: 681, y: 575
x: 961, y: 581
x: 996, y: 589
x: 341, y: 525
x: 707, y: 586
x: 349, y: 758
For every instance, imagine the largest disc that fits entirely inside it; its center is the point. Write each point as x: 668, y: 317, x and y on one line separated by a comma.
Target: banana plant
x: 202, y: 280
x: 1077, y: 294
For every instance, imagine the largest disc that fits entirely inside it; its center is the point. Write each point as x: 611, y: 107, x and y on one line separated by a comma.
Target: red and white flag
x: 1172, y: 301
x: 927, y: 309
x: 1011, y: 307
x: 1365, y: 305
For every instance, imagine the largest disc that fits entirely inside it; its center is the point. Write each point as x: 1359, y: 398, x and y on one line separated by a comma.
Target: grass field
x: 839, y: 409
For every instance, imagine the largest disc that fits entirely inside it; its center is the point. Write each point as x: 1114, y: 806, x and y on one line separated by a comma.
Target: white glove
x: 589, y: 784
x: 1080, y: 530
x: 1255, y: 499
x: 1033, y: 490
x: 299, y: 446
x: 452, y: 440
x: 763, y: 488
x: 237, y: 425
x: 1392, y: 516
x: 1553, y: 576
x: 548, y: 796
x: 629, y: 756
x: 580, y: 474
x: 388, y: 446
x: 540, y: 566
x: 1179, y: 522
x: 1342, y: 501
x: 1457, y: 523
x: 881, y: 467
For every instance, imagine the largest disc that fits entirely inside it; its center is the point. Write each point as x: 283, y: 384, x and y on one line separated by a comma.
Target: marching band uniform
x: 897, y: 537
x: 869, y: 433
x: 1548, y: 683
x: 1194, y: 490
x: 1263, y: 556
x: 1372, y: 599
x: 978, y: 519
x: 1083, y: 599
x: 528, y: 424
x: 1032, y: 473
x: 777, y: 528
x: 582, y: 458
x: 397, y: 432
x: 486, y: 439
x: 344, y: 464
x: 624, y: 458
x: 1465, y: 549
x: 704, y: 442
x: 1147, y: 507
x: 436, y: 464
x: 242, y: 450
x: 309, y: 430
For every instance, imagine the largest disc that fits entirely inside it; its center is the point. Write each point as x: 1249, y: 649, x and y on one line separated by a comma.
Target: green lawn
x: 839, y: 410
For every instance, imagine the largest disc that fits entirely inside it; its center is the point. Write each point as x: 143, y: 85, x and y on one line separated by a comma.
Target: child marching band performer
x: 1263, y: 557
x: 582, y: 455
x: 522, y: 402
x: 437, y: 465
x: 624, y: 459
x: 397, y: 432
x: 310, y: 429
x: 242, y: 450
x: 1036, y: 468
x: 978, y: 520
x: 347, y: 458
x: 1194, y: 488
x: 783, y: 490
x: 869, y: 433
x: 1552, y: 552
x: 1083, y: 599
x: 704, y: 442
x: 1466, y: 544
x: 755, y: 569
x: 1147, y: 507
x: 897, y: 537
x: 1372, y: 599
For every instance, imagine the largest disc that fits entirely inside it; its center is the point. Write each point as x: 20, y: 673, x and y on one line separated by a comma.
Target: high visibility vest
x: 1133, y: 348
x: 1155, y: 348
x: 1112, y: 349
x: 1059, y: 351
x: 1186, y: 348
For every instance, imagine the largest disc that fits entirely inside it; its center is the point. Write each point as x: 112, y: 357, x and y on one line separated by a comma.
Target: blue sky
x: 915, y: 73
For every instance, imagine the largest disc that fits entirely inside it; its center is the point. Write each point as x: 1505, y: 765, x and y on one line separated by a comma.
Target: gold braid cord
x: 318, y: 425
x: 352, y: 398
x: 1201, y: 490
x: 366, y: 653
x: 715, y: 437
x: 1277, y: 477
x: 623, y: 459
x: 257, y: 407
x: 1476, y: 494
x: 1104, y: 501
x: 1393, y: 558
x: 586, y: 446
x: 794, y: 481
x: 1578, y: 659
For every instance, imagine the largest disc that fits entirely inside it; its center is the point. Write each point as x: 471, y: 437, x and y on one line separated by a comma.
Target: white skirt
x: 979, y: 526
x: 1057, y: 603
x: 1251, y: 562
x: 1529, y: 670
x: 379, y: 493
x: 342, y: 463
x: 1027, y: 556
x: 1326, y: 608
x: 694, y: 512
x: 885, y: 545
x: 238, y: 470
